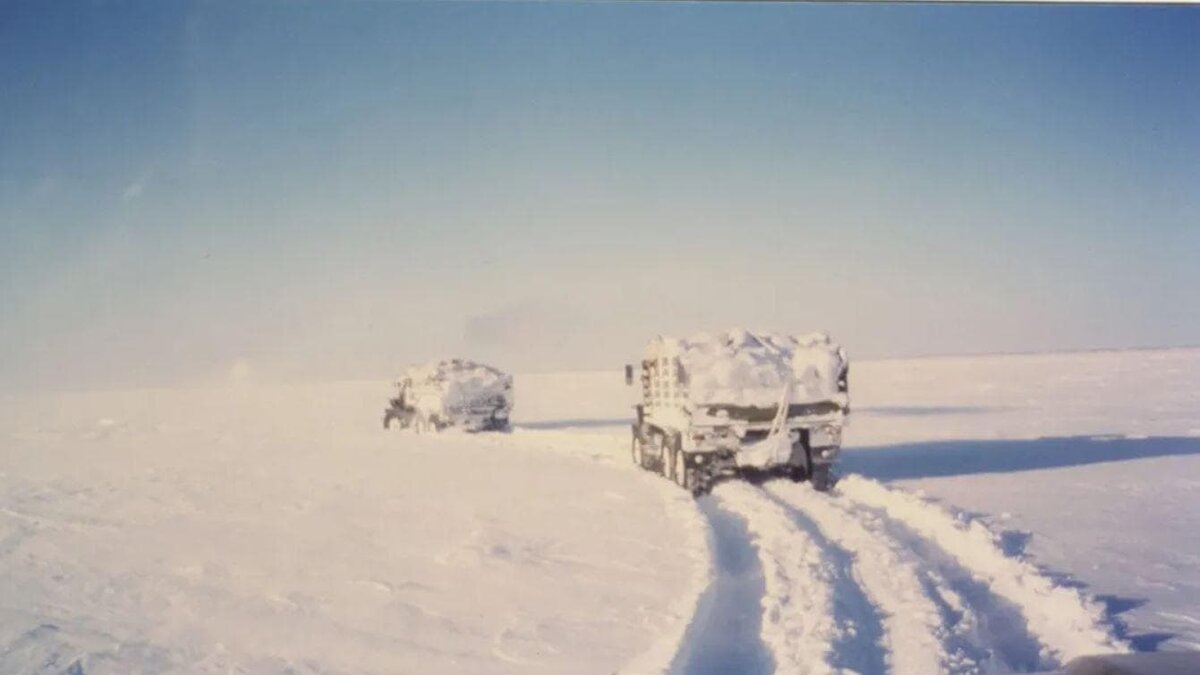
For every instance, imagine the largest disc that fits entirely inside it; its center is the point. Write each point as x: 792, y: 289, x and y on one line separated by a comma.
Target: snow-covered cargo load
x: 720, y: 403
x: 455, y: 393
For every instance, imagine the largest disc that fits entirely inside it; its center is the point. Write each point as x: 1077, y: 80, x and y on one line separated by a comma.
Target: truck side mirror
x: 628, y: 375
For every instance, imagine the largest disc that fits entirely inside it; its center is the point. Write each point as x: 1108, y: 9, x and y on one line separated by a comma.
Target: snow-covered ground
x: 1006, y: 513
x: 1088, y: 463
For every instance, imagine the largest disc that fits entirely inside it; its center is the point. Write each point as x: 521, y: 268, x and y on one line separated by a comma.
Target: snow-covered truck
x: 739, y: 402
x: 455, y: 393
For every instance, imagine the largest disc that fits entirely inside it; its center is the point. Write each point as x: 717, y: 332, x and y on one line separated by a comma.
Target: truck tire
x: 683, y: 475
x: 425, y: 425
x: 667, y: 457
x: 699, y: 481
x: 695, y: 478
x: 821, y: 478
x: 640, y: 457
x: 649, y: 462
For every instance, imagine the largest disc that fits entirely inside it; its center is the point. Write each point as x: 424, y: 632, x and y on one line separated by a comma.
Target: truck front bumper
x: 754, y: 449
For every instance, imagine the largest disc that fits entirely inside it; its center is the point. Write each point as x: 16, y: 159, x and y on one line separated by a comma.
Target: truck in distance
x: 451, y: 394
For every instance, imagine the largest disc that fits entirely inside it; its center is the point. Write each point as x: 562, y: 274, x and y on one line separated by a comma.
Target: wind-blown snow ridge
x: 798, y: 624
x: 1065, y: 621
x: 913, y: 631
x: 659, y: 657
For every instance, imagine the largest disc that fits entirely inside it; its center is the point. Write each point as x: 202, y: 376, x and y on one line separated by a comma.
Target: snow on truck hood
x: 740, y: 367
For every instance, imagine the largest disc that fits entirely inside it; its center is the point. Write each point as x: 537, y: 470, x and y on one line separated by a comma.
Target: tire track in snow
x: 915, y: 633
x: 1066, y: 622
x: 988, y: 624
x: 814, y: 616
x: 986, y: 627
x: 724, y: 635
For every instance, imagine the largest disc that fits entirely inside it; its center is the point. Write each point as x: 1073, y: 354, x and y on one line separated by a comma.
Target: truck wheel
x: 640, y: 457
x: 821, y: 478
x: 648, y: 460
x: 699, y: 481
x: 683, y: 476
x: 667, y: 459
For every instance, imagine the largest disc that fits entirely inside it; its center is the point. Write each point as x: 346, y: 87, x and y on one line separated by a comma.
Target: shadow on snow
x: 858, y: 650
x: 1115, y: 606
x: 926, y: 410
x: 961, y: 458
x: 725, y: 634
x: 582, y: 423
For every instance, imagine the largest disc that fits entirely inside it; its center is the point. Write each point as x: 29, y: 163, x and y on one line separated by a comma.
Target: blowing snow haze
x: 191, y: 191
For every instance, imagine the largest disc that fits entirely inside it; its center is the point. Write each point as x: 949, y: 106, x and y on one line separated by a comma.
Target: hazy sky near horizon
x: 338, y: 189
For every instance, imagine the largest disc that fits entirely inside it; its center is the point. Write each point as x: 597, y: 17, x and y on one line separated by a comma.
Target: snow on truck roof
x: 455, y: 370
x: 435, y: 387
x: 737, y: 340
x: 740, y: 366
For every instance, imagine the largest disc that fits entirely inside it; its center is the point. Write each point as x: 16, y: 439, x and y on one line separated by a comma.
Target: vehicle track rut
x: 872, y: 579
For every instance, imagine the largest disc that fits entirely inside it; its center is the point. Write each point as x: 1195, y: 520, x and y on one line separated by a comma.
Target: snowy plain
x: 998, y: 513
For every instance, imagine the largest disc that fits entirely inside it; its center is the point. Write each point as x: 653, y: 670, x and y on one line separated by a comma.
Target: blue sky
x: 337, y: 189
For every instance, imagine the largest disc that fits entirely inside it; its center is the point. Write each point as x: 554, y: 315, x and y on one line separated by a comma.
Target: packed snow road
x: 874, y: 580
